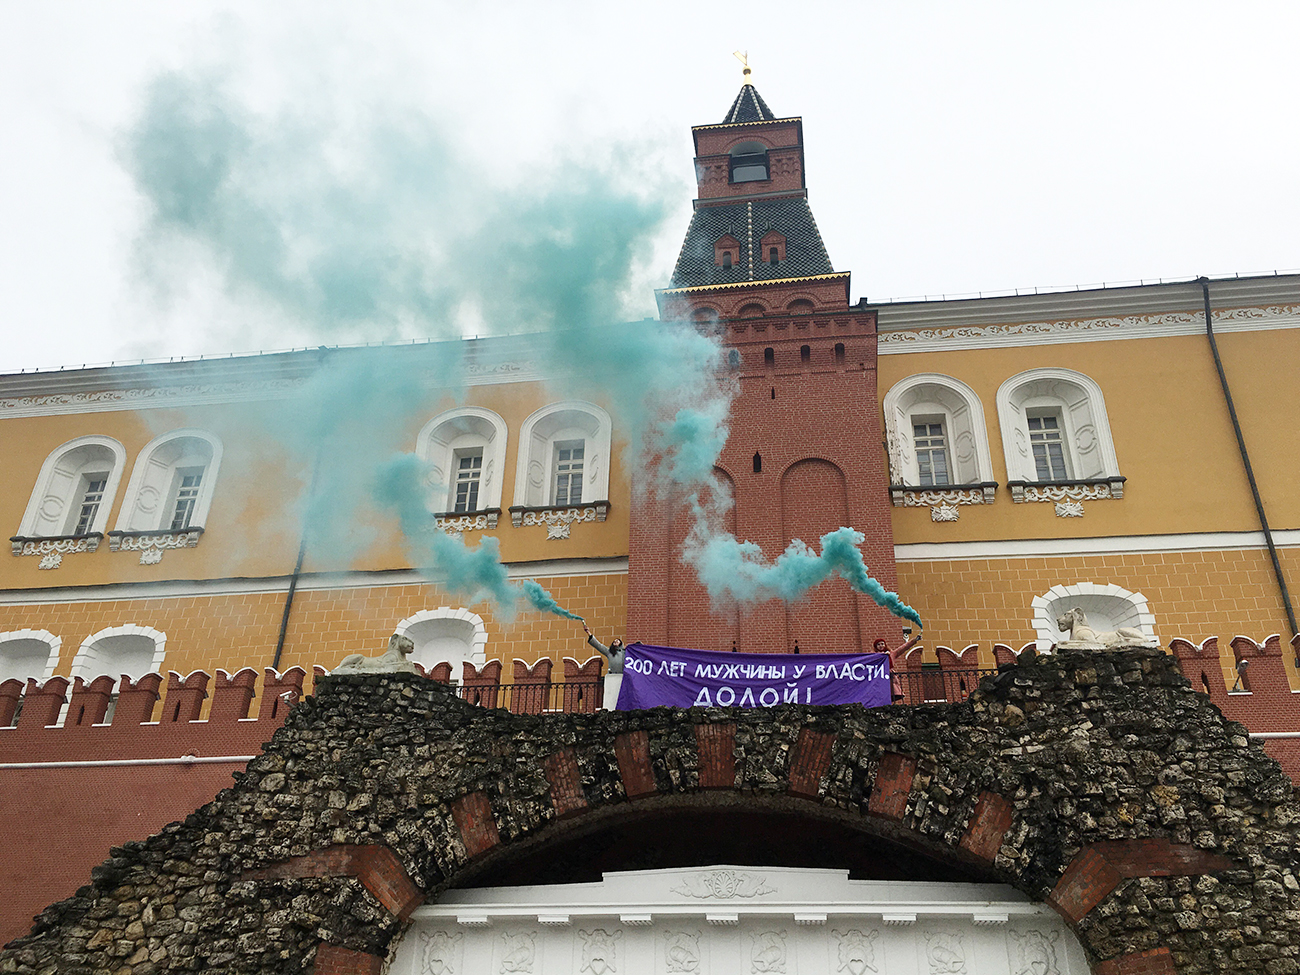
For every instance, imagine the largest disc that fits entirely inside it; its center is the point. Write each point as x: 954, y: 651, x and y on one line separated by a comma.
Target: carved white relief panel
x: 600, y: 951
x: 518, y: 952
x: 682, y: 953
x: 1033, y: 952
x: 855, y: 951
x: 440, y: 952
x: 945, y: 954
x: 767, y: 953
x: 724, y: 883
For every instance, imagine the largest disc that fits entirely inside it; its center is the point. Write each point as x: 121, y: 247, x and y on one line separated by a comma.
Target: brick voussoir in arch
x: 1052, y: 755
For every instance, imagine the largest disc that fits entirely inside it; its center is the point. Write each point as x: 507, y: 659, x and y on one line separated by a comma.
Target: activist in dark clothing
x: 614, y: 653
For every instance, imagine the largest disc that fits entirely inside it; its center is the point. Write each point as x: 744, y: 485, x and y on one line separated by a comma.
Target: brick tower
x: 805, y: 454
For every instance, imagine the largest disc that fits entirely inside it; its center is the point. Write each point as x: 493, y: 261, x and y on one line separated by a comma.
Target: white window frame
x: 52, y: 642
x: 1119, y: 606
x: 558, y: 422
x: 149, y: 508
x: 958, y: 407
x: 1085, y: 428
x: 58, y: 490
x: 453, y: 432
x: 83, y: 663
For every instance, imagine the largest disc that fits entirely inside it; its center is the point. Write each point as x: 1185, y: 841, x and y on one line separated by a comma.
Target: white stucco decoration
x: 391, y: 661
x: 151, y: 493
x: 557, y: 423
x: 1077, y: 400
x: 453, y: 432
x: 928, y: 395
x: 451, y: 634
x: 132, y: 650
x: 750, y: 919
x: 1107, y: 607
x: 28, y: 653
x: 54, y: 504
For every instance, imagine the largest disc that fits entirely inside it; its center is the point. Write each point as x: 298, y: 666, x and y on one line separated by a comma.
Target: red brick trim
x: 377, y: 867
x: 893, y: 786
x: 478, y: 828
x: 633, y: 753
x: 988, y: 824
x: 561, y: 770
x: 811, y: 759
x: 1099, y: 867
x: 716, y: 745
x: 334, y: 960
x: 1157, y: 961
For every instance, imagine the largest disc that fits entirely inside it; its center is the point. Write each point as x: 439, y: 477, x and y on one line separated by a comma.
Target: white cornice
x: 895, y: 340
x: 550, y: 569
x: 241, y: 379
x: 1038, y: 548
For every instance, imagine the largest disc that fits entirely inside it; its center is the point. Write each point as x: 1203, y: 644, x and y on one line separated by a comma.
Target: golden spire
x: 743, y: 58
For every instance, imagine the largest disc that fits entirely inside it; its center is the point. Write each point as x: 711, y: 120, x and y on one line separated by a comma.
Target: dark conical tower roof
x: 748, y: 107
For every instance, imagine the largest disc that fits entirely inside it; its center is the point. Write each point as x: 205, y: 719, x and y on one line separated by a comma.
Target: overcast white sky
x: 951, y: 147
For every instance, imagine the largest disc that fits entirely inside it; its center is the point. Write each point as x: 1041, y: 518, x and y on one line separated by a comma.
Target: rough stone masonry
x: 1098, y: 782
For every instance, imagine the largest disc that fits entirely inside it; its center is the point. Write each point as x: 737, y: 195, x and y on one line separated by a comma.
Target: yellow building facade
x: 1148, y: 518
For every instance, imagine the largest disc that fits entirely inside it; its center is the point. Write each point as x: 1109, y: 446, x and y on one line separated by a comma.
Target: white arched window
x: 934, y: 426
x: 75, y: 489
x: 446, y: 634
x: 1107, y: 607
x: 563, y: 457
x: 1054, y: 430
x: 28, y: 653
x: 466, y: 453
x: 131, y: 650
x: 171, y: 484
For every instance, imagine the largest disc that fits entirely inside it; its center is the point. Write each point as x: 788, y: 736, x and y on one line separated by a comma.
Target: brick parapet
x: 1049, y: 761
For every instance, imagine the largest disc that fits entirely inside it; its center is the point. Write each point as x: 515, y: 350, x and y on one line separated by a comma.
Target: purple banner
x: 666, y: 676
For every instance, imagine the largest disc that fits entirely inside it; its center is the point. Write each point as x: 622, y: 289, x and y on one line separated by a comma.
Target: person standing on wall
x: 614, y: 678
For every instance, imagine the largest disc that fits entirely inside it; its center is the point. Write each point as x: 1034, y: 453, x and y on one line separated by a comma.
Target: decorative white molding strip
x: 558, y: 520
x: 108, y: 400
x: 167, y: 588
x: 1084, y: 330
x: 917, y: 497
x: 55, y: 546
x: 1022, y: 492
x: 1029, y: 548
x: 151, y: 545
x: 724, y: 884
x: 459, y: 524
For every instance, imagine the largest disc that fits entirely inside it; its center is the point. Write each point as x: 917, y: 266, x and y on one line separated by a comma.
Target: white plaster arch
x: 558, y: 423
x: 1078, y: 402
x: 151, y: 494
x: 1108, y: 607
x: 446, y: 436
x: 28, y: 653
x: 116, y: 650
x: 931, y: 394
x: 55, y: 504
x: 450, y: 634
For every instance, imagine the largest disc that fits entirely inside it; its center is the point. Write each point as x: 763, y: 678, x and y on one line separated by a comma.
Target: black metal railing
x: 572, y: 697
x: 933, y: 685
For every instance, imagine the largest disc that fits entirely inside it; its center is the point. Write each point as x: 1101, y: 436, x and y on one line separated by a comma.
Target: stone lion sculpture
x: 1084, y: 637
x: 391, y: 661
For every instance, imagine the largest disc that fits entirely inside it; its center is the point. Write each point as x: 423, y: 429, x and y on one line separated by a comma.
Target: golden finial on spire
x: 743, y: 58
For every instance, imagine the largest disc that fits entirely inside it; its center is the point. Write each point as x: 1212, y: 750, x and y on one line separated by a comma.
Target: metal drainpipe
x: 1245, y: 459
x: 297, y: 568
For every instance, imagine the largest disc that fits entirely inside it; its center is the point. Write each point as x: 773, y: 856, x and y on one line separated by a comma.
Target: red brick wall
x: 816, y: 427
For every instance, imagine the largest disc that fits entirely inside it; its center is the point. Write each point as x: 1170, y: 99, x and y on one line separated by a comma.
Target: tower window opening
x: 769, y: 357
x: 733, y: 359
x: 749, y: 163
x: 773, y: 392
x: 772, y: 257
x: 839, y: 353
x: 758, y: 463
x: 805, y: 353
x: 726, y: 259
